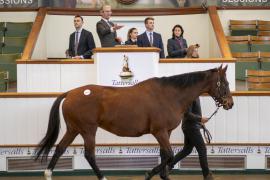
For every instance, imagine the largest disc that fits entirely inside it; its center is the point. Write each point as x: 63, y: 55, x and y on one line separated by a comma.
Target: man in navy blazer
x: 150, y: 38
x: 81, y: 42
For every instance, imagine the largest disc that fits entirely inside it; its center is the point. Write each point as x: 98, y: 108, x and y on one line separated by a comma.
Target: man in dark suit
x: 81, y: 42
x: 150, y: 38
x: 106, y: 29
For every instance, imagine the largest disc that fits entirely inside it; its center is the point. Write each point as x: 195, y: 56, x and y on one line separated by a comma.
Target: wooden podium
x: 125, y: 66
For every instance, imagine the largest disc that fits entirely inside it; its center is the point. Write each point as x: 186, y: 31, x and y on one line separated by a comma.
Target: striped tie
x: 76, y: 42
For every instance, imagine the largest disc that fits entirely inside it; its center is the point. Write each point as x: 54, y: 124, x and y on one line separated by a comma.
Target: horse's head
x: 219, y: 88
x: 192, y: 51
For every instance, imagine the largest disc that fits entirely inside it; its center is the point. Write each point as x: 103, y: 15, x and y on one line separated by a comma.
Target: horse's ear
x: 220, y: 67
x: 225, y: 68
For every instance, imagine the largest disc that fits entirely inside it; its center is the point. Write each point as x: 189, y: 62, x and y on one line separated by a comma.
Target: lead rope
x: 207, y: 135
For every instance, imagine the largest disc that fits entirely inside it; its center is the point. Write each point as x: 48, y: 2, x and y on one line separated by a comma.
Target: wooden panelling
x: 56, y: 61
x: 129, y: 12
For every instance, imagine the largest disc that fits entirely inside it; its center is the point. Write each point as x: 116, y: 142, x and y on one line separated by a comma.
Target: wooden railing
x: 33, y: 36
x: 220, y: 36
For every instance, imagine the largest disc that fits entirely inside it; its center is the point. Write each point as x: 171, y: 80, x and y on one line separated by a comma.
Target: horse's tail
x: 51, y: 136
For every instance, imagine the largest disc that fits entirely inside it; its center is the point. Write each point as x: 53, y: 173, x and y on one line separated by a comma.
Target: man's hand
x: 116, y: 26
x: 204, y: 120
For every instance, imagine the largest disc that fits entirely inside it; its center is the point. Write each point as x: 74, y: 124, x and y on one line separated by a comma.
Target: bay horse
x: 154, y: 106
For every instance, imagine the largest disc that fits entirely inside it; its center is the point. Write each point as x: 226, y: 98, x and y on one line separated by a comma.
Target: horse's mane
x: 185, y: 80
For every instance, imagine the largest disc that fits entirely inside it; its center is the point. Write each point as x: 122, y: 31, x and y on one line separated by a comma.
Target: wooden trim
x: 128, y: 12
x: 91, y: 61
x: 259, y: 86
x: 262, y: 22
x: 260, y: 38
x: 258, y: 79
x: 199, y: 60
x: 260, y: 73
x: 264, y: 27
x: 126, y: 49
x: 264, y: 33
x: 243, y: 22
x: 260, y: 42
x: 29, y: 95
x: 33, y: 35
x: 17, y: 9
x: 245, y: 54
x: 138, y: 144
x: 233, y: 39
x: 220, y: 36
x: 243, y: 27
x: 55, y: 61
x: 238, y: 42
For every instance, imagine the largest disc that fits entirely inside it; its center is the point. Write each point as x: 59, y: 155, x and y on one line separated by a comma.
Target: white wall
x: 58, y: 29
x: 40, y: 49
x: 227, y: 15
x: 247, y: 122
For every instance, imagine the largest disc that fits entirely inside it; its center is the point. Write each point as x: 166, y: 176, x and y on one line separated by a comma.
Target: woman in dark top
x: 177, y: 45
x: 191, y: 125
x: 132, y: 37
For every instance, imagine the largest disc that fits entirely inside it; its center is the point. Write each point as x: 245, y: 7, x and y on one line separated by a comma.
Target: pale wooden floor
x: 174, y: 177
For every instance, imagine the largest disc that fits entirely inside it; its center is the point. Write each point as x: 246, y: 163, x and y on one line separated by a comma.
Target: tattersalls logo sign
x: 126, y: 75
x: 126, y: 72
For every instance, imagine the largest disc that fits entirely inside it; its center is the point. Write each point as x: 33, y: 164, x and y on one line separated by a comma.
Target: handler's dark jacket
x: 192, y: 117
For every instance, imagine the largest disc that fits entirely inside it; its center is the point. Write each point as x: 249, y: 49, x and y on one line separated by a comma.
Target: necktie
x: 76, y: 42
x: 110, y: 23
x: 151, y: 39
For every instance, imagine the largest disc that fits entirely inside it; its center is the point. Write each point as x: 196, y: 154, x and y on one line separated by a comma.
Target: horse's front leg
x: 166, y: 157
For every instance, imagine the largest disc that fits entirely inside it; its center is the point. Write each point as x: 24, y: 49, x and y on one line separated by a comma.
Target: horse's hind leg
x: 166, y: 155
x: 60, y: 149
x: 89, y: 145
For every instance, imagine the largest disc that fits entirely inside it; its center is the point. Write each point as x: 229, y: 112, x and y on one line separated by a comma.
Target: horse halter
x: 220, y: 100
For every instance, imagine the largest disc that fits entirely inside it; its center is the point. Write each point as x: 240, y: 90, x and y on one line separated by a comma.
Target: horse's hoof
x: 48, y: 174
x: 103, y: 178
x: 147, y: 176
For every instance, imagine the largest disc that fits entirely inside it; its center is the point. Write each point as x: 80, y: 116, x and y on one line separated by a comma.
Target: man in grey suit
x: 106, y: 29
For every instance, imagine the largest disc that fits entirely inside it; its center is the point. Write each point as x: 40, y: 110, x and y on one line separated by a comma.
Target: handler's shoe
x: 209, y: 177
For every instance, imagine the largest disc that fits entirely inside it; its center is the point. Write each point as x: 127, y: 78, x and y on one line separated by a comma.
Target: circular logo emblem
x: 87, y: 92
x: 127, y: 2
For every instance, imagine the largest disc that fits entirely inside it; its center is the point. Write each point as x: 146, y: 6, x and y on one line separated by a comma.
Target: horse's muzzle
x: 228, y: 103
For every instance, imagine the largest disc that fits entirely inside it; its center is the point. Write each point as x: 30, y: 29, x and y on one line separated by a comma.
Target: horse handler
x: 191, y: 125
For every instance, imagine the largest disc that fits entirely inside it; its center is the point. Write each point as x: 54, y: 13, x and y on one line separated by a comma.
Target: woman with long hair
x: 177, y: 45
